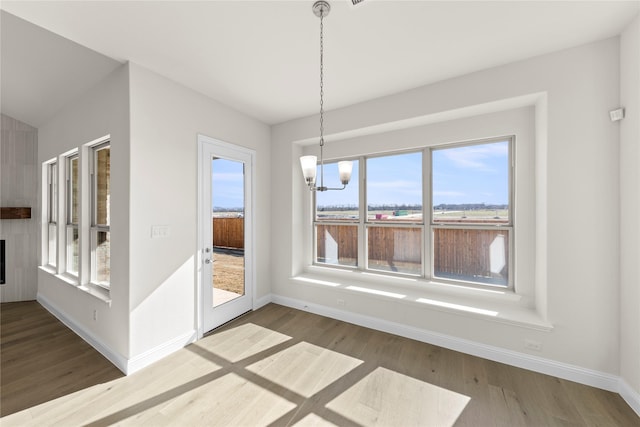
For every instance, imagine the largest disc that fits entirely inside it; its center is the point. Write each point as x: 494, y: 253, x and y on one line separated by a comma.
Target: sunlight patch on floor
x: 241, y: 341
x: 386, y: 398
x: 304, y: 368
x: 227, y: 401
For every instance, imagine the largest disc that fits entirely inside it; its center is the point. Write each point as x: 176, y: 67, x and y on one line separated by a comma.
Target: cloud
x: 477, y: 157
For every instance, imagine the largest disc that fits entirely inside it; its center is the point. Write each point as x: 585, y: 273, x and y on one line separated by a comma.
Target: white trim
x: 118, y: 360
x: 629, y: 395
x: 261, y: 302
x: 206, y: 145
x: 158, y: 352
x: 127, y: 366
x: 533, y: 363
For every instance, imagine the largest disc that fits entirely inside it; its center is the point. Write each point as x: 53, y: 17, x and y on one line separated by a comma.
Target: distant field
x: 437, y: 215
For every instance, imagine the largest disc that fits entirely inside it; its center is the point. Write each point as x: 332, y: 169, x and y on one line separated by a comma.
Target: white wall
x: 577, y: 241
x: 165, y: 121
x: 630, y: 207
x: 101, y: 111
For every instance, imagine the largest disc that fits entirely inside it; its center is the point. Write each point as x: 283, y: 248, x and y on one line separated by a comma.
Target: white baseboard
x: 153, y: 355
x: 630, y: 396
x: 117, y: 359
x: 533, y: 363
x: 261, y: 302
x: 127, y: 366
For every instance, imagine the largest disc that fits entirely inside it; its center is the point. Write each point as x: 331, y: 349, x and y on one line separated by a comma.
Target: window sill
x: 98, y: 292
x: 95, y: 291
x: 496, y: 305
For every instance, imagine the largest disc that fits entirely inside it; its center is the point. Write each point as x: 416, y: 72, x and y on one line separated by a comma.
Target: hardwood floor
x: 279, y: 366
x: 41, y: 359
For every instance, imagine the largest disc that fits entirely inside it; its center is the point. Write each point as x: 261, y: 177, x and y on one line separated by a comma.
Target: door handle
x: 208, y: 261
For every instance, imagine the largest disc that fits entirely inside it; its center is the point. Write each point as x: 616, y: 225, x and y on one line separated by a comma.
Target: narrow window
x: 101, y: 215
x: 73, y: 210
x: 394, y: 213
x: 52, y: 213
x: 472, y: 212
x: 336, y: 219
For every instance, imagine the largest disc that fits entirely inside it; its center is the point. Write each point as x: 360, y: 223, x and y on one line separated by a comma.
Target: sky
x: 472, y: 174
x: 227, y: 184
x: 465, y: 174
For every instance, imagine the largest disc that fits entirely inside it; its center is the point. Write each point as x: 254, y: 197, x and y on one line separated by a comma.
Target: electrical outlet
x: 533, y: 345
x: 340, y: 301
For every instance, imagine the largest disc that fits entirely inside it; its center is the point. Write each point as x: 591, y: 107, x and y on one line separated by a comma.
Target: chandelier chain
x: 321, y: 79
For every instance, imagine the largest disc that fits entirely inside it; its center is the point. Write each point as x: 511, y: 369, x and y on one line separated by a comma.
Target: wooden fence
x: 228, y: 232
x: 457, y: 252
x: 467, y: 252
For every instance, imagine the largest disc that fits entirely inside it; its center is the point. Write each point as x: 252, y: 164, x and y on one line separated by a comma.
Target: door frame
x: 249, y: 229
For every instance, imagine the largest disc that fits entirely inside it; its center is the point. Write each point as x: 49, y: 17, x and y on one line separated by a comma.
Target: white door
x: 226, y: 231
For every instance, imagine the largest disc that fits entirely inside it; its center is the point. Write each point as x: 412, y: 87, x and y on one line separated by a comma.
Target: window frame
x: 427, y: 224
x: 96, y: 227
x: 51, y: 205
x: 509, y: 225
x: 71, y: 226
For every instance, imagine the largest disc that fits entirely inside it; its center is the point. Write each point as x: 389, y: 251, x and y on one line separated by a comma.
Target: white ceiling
x: 262, y: 57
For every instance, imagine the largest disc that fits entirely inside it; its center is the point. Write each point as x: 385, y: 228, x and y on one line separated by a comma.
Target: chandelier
x: 309, y: 164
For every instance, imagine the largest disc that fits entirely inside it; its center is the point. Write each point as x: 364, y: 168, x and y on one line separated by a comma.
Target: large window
x: 76, y: 216
x: 101, y: 214
x: 471, y: 221
x: 52, y: 213
x: 443, y: 213
x: 73, y: 214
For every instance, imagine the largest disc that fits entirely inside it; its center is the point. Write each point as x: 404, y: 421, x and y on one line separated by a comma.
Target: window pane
x: 72, y: 250
x: 103, y: 187
x: 394, y: 188
x: 471, y: 183
x: 53, y: 192
x: 73, y: 188
x: 102, y: 248
x: 337, y: 205
x: 472, y: 255
x: 395, y: 249
x: 337, y: 244
x: 52, y: 251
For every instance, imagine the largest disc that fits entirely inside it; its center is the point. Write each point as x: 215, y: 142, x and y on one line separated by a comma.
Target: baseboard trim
x: 117, y: 359
x: 533, y: 363
x: 630, y: 396
x: 261, y: 302
x: 127, y: 366
x: 153, y: 355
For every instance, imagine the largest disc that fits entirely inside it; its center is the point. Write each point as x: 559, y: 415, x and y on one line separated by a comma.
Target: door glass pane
x: 227, y: 199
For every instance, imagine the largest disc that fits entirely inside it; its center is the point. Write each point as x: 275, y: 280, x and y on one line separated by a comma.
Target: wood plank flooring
x: 282, y: 367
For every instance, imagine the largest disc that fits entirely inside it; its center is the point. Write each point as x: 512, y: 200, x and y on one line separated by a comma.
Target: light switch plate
x: 158, y: 231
